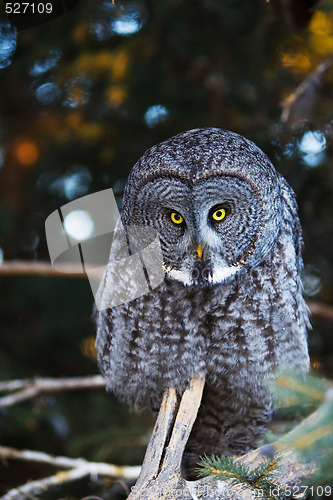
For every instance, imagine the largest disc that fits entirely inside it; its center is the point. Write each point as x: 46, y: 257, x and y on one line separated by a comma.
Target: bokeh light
x: 126, y: 25
x: 79, y: 224
x: 27, y: 153
x: 7, y: 43
x: 73, y: 184
x: 47, y: 93
x: 312, y: 147
x: 77, y: 90
x: 39, y: 67
x: 312, y: 280
x: 129, y: 19
x: 156, y: 114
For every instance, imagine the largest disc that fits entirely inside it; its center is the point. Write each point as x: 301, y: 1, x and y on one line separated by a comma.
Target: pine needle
x: 261, y: 480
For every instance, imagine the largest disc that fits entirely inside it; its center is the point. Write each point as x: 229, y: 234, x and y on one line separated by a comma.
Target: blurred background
x: 81, y: 98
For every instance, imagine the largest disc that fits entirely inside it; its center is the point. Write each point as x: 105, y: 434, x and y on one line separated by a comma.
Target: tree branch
x: 297, y: 106
x: 39, y: 268
x: 320, y: 309
x: 160, y: 475
x: 78, y: 468
x: 94, y: 468
x: 41, y: 485
x: 30, y: 388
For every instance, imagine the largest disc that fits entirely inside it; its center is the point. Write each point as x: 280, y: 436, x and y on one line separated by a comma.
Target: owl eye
x: 176, y: 218
x: 218, y: 213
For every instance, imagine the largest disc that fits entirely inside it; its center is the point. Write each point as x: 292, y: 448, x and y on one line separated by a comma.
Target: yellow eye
x: 176, y: 218
x: 219, y: 214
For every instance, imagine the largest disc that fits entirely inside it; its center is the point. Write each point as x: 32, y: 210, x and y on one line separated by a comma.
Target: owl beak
x: 199, y: 251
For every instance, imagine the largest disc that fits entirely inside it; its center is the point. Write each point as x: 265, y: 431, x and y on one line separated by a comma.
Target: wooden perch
x: 160, y: 475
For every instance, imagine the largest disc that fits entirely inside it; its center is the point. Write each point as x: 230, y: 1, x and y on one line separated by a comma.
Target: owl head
x: 214, y: 198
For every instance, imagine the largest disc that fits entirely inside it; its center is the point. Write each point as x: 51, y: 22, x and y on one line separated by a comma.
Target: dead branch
x: 46, y: 483
x: 94, y: 468
x: 30, y: 388
x: 297, y: 106
x: 320, y: 310
x: 160, y: 476
x: 157, y: 441
x: 38, y: 268
x: 78, y: 468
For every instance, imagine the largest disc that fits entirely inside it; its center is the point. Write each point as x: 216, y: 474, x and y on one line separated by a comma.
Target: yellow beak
x: 199, y: 251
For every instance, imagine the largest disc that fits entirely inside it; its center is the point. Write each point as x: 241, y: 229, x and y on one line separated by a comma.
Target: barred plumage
x: 235, y: 314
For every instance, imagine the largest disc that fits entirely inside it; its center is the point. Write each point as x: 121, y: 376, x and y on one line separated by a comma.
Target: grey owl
x: 230, y: 306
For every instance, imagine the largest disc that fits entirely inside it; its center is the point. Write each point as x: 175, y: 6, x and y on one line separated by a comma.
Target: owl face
x: 222, y: 214
x: 210, y: 216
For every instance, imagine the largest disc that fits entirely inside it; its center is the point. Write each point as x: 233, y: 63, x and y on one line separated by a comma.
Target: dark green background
x: 73, y: 106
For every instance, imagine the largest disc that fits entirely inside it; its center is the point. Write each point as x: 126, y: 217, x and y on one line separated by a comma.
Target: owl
x: 230, y: 307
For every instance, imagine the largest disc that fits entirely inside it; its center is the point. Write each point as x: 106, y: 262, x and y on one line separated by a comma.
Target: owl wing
x: 107, y: 291
x: 104, y: 324
x: 291, y: 207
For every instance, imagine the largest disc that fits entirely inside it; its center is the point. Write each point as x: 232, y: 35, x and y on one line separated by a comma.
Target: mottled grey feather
x: 236, y: 314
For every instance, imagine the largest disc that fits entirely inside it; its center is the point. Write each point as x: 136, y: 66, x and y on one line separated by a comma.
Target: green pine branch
x: 261, y: 480
x: 292, y: 388
x: 311, y: 439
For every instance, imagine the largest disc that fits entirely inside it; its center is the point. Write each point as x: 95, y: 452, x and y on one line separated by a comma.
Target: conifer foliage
x: 308, y: 401
x: 262, y: 480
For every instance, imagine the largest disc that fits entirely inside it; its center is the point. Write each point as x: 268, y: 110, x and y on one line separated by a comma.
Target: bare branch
x: 38, y: 268
x: 160, y: 475
x: 297, y: 106
x: 153, y: 456
x: 46, y: 483
x: 186, y: 415
x: 321, y: 310
x: 94, y: 468
x: 78, y: 468
x: 31, y: 388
